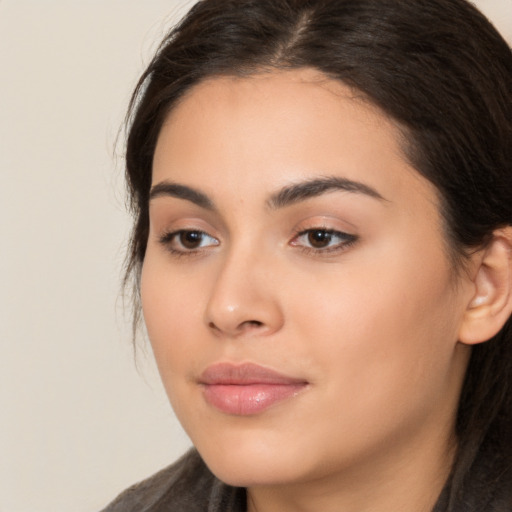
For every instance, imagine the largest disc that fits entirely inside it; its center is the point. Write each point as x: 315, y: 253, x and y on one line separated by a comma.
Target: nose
x: 244, y: 298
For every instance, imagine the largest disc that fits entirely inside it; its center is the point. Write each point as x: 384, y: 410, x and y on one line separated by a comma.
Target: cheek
x: 389, y: 328
x: 171, y: 312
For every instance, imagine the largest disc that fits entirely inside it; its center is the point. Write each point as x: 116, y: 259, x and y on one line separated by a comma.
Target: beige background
x: 78, y: 421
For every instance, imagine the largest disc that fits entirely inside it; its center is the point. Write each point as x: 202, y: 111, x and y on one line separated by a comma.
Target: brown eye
x: 319, y: 238
x: 191, y: 239
x: 323, y: 241
x: 187, y: 241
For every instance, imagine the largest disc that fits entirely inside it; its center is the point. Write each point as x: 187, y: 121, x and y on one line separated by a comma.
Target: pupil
x: 319, y: 238
x: 191, y: 239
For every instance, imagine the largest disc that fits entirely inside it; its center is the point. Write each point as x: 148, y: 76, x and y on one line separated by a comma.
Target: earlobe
x: 491, y: 304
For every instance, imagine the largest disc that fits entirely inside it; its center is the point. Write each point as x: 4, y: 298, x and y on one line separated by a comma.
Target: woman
x: 322, y: 245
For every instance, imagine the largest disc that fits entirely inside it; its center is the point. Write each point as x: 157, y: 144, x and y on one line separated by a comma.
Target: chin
x: 254, y: 462
x: 241, y: 472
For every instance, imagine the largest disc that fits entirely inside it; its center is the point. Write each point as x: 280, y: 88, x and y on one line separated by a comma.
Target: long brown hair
x: 440, y: 70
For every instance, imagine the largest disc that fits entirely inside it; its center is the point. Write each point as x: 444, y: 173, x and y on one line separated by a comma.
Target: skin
x: 370, y: 321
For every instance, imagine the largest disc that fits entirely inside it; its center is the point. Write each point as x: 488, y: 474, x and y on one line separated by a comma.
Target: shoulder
x: 187, y: 485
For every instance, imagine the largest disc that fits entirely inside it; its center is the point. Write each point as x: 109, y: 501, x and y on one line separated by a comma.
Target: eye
x: 322, y: 240
x: 187, y: 241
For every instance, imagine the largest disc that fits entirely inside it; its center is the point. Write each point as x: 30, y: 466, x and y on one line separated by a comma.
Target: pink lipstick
x: 246, y: 389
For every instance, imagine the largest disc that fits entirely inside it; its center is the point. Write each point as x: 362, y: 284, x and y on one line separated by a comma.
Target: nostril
x: 243, y: 326
x: 252, y: 323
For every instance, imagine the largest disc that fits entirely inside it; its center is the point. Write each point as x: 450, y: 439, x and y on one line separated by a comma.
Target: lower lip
x: 249, y: 399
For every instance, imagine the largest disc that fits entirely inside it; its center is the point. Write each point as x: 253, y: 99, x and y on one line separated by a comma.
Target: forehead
x: 285, y: 96
x: 277, y: 127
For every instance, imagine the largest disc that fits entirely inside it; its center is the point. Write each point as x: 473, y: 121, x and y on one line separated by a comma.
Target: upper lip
x: 245, y: 375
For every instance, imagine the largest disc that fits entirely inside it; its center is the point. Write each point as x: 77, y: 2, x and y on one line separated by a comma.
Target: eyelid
x: 346, y: 241
x: 174, y: 215
x: 169, y: 237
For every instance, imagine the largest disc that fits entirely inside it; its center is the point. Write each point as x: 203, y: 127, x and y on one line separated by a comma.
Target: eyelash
x: 346, y: 241
x: 167, y: 240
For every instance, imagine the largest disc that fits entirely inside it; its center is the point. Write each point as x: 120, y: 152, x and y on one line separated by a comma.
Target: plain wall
x: 78, y: 421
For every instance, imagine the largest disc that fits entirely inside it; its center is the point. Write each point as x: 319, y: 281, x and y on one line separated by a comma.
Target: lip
x: 246, y: 389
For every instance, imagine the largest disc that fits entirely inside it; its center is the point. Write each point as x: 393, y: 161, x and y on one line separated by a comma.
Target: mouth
x: 247, y: 389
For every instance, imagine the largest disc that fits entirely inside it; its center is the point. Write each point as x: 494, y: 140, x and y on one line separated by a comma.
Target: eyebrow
x: 312, y: 188
x: 168, y: 189
x: 287, y: 196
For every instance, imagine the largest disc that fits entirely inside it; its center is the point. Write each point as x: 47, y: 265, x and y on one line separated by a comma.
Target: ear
x: 491, y: 304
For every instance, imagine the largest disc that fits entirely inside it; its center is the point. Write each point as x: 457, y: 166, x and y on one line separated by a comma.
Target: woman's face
x: 296, y: 287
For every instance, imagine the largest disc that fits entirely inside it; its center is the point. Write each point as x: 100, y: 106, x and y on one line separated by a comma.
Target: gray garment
x: 189, y: 486
x: 185, y: 486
